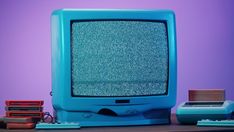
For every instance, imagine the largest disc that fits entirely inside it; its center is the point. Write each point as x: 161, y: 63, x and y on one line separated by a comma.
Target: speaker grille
x: 119, y: 58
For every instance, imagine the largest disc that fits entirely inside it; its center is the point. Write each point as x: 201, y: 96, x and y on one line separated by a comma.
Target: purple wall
x: 205, y: 30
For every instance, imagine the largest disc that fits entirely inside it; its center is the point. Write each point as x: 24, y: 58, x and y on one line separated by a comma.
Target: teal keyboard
x: 218, y: 123
x: 57, y: 126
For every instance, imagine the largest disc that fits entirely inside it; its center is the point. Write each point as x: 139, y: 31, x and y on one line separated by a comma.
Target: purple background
x: 205, y: 41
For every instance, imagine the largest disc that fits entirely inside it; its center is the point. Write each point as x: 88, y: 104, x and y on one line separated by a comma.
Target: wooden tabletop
x: 173, y: 127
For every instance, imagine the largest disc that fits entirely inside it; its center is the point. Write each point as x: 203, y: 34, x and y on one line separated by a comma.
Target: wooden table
x: 173, y: 127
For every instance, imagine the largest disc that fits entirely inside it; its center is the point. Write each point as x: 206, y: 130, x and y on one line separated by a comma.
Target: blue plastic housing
x: 192, y: 114
x: 139, y: 110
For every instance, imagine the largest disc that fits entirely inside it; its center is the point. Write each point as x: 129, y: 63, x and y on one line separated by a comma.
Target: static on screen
x: 119, y: 58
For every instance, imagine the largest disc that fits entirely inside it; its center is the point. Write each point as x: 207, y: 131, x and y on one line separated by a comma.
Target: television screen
x: 119, y: 58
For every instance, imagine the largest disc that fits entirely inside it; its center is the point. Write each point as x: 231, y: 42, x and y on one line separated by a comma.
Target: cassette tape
x: 24, y: 114
x: 24, y: 108
x: 24, y: 102
x: 20, y: 125
x: 18, y: 120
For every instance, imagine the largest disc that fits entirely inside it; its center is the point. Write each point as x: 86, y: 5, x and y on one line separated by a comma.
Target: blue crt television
x: 113, y: 67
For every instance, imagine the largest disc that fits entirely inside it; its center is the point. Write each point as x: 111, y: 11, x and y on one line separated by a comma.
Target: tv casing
x: 141, y: 110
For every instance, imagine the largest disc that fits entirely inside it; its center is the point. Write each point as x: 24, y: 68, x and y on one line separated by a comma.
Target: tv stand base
x: 89, y: 119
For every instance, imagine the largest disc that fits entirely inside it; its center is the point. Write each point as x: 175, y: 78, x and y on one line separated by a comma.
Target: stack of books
x: 23, y: 114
